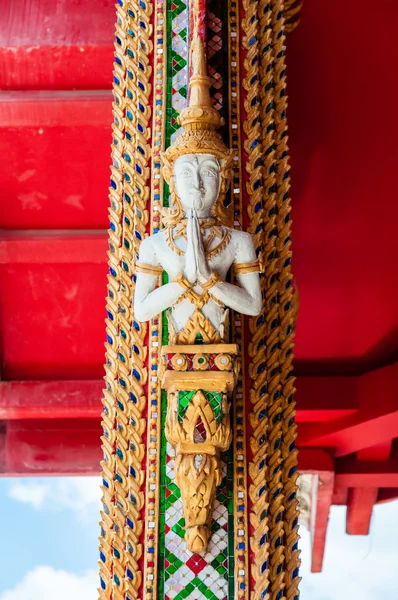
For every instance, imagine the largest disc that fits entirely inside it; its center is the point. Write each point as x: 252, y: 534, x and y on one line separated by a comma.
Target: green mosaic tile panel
x: 215, y: 401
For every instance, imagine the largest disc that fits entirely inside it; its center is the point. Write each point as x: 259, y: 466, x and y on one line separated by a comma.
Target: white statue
x: 197, y: 254
x: 195, y: 248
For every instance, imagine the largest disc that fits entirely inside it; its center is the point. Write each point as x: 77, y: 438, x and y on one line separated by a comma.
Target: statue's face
x: 197, y: 180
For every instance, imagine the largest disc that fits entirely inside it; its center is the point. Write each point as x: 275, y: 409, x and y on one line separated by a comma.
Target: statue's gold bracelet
x: 183, y: 281
x: 215, y: 278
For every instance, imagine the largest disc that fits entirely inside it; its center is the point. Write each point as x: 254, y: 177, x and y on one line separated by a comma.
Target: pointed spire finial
x: 200, y: 113
x: 199, y: 66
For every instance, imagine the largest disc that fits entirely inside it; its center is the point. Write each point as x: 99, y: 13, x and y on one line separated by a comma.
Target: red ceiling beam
x: 50, y: 399
x: 376, y: 422
x: 366, y: 474
x: 39, y: 448
x: 321, y: 399
x: 316, y: 398
x: 315, y: 460
x: 57, y: 67
x: 49, y: 140
x: 353, y: 433
x: 44, y: 109
x: 386, y: 495
x: 53, y: 248
x: 47, y: 45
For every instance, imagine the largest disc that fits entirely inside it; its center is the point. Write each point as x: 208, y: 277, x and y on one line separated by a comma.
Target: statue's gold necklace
x: 180, y: 230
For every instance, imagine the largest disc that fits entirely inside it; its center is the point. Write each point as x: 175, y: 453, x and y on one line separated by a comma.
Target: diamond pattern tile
x: 196, y: 563
x: 177, y: 80
x: 179, y: 53
x: 218, y: 59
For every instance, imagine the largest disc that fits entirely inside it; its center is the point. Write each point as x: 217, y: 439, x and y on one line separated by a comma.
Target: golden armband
x: 148, y: 269
x: 243, y: 268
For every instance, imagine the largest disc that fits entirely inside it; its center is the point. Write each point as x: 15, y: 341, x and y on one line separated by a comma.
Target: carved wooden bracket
x: 199, y: 380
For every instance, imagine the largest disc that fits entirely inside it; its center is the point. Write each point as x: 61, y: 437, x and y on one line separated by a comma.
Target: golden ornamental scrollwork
x: 288, y: 301
x: 126, y: 374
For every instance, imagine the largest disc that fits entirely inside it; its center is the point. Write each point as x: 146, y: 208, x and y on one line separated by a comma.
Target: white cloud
x: 354, y: 566
x: 33, y: 493
x: 78, y: 494
x: 47, y: 583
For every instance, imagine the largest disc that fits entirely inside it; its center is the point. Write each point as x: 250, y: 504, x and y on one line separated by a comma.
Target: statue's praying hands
x: 197, y: 253
x: 196, y: 268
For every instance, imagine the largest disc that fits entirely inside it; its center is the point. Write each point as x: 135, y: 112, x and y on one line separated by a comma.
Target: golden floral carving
x: 287, y: 301
x: 274, y: 506
x: 223, y: 362
x: 200, y: 362
x: 179, y: 362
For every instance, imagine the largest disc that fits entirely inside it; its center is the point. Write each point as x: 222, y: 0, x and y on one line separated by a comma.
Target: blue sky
x: 49, y: 530
x: 49, y: 526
